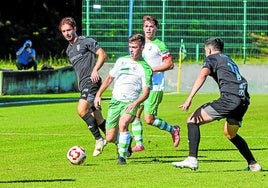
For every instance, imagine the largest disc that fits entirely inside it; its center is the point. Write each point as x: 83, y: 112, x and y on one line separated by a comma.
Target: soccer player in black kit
x: 86, y: 57
x: 231, y: 105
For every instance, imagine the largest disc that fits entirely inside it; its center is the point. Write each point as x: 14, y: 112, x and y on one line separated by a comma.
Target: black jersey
x: 226, y: 73
x: 82, y: 55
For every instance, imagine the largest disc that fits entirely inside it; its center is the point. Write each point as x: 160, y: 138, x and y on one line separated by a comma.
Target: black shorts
x: 88, y: 93
x: 228, y: 106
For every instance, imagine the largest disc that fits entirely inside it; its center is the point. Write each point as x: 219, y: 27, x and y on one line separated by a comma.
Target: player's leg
x: 202, y: 115
x: 124, y: 139
x: 231, y: 133
x: 137, y: 131
x: 83, y: 108
x: 99, y: 118
x: 150, y: 115
x: 113, y: 116
x: 84, y: 113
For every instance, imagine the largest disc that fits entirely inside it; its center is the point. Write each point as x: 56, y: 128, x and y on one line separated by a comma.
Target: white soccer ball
x: 76, y: 155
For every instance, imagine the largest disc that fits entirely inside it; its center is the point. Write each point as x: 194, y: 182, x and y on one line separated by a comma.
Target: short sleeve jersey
x: 154, y: 53
x: 82, y: 55
x: 226, y: 73
x: 130, y: 77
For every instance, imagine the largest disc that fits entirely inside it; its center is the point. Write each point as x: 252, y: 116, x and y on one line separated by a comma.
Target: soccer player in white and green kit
x: 159, y: 58
x: 132, y: 82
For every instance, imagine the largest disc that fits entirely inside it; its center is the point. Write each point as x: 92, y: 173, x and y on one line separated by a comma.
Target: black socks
x: 243, y: 148
x: 92, y: 125
x: 102, y: 126
x: 193, y: 139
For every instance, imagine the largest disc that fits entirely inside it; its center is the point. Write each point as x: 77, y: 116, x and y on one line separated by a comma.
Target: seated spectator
x: 26, y: 57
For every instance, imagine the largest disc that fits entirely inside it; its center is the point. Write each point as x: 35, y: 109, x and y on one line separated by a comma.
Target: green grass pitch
x: 35, y: 135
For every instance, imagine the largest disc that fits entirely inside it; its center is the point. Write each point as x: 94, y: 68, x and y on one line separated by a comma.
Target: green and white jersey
x: 130, y: 77
x: 154, y: 53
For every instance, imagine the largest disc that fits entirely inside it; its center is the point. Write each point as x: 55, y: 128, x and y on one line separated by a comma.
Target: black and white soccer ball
x: 76, y: 155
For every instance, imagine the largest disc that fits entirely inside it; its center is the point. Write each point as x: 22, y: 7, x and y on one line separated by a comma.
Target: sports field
x: 37, y: 130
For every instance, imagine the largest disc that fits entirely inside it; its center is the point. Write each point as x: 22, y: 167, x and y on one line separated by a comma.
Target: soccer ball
x: 76, y: 155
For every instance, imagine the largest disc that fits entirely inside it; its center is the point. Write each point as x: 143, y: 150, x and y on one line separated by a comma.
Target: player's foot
x: 176, y: 136
x: 100, y: 144
x: 129, y: 150
x: 189, y: 162
x: 121, y: 160
x: 254, y: 167
x: 138, y: 148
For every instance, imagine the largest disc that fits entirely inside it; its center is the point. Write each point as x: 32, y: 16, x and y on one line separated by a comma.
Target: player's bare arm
x: 142, y: 97
x: 100, y: 61
x: 167, y: 65
x: 201, y: 78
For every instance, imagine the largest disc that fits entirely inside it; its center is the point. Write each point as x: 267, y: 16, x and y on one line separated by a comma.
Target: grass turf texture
x: 35, y: 138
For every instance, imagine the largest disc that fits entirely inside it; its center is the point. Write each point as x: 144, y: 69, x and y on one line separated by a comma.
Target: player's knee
x: 149, y: 121
x: 228, y: 135
x: 191, y: 119
x: 81, y: 112
x: 110, y: 136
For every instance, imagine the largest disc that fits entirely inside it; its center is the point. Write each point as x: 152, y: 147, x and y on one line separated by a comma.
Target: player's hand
x: 130, y: 107
x: 185, y: 106
x: 97, y: 102
x: 94, y: 76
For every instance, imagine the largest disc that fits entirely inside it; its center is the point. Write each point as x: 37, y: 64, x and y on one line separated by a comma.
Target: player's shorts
x: 227, y: 106
x: 115, y: 110
x: 89, y: 92
x: 152, y: 102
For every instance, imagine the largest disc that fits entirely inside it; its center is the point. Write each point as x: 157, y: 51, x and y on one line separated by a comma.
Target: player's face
x: 135, y: 50
x: 68, y: 32
x: 149, y: 29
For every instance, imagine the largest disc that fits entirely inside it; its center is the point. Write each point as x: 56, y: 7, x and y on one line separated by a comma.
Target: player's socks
x: 92, y: 125
x: 123, y: 143
x: 243, y: 148
x: 102, y: 127
x: 162, y: 124
x: 193, y: 139
x: 137, y: 130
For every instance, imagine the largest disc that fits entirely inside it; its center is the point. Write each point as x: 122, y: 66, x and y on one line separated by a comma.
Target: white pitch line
x: 36, y: 101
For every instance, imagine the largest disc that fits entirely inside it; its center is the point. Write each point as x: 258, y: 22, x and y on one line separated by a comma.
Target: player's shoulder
x: 85, y: 38
x: 123, y: 59
x: 160, y: 44
x: 145, y: 65
x: 82, y: 37
x: 157, y: 41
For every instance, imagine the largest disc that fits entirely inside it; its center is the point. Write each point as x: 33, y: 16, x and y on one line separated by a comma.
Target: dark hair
x: 67, y: 20
x: 217, y: 43
x: 137, y: 37
x: 150, y: 18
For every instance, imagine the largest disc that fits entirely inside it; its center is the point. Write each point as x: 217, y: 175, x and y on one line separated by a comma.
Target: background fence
x: 239, y: 23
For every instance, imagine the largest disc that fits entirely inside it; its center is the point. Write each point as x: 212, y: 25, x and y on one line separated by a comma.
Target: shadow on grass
x: 33, y: 181
x: 169, y: 159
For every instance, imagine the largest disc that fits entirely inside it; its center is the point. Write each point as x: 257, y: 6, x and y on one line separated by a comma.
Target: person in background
x: 132, y: 76
x: 26, y: 57
x: 86, y: 57
x: 157, y: 55
x: 232, y: 104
